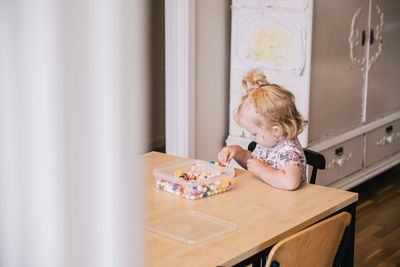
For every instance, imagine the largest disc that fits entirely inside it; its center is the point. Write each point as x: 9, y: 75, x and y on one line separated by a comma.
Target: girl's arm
x: 287, y: 178
x: 234, y: 152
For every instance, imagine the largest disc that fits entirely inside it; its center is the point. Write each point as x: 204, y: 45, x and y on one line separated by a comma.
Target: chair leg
x: 263, y: 261
x: 313, y: 175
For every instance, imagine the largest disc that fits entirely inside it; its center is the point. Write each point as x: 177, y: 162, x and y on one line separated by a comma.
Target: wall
x: 157, y: 87
x: 212, y: 76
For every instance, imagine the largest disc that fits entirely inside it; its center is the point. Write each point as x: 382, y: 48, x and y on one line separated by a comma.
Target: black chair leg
x: 263, y: 261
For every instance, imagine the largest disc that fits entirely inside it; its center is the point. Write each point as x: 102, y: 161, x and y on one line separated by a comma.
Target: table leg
x: 256, y: 260
x: 349, y: 254
x: 345, y: 255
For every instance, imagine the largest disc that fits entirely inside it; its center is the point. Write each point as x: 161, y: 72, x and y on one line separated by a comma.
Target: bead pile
x: 194, y: 175
x: 217, y: 163
x: 186, y: 184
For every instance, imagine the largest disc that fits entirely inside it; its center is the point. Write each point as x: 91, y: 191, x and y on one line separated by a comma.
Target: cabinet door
x: 338, y: 60
x: 384, y: 59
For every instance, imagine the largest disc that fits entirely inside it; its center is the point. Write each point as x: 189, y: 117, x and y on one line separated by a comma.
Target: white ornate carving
x: 388, y: 139
x: 354, y: 41
x: 339, y: 161
x: 378, y: 30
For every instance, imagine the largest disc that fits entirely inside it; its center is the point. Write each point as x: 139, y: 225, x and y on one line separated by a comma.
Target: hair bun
x: 254, y: 79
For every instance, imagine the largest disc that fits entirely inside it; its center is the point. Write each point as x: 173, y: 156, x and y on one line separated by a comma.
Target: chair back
x: 314, y: 159
x: 314, y: 246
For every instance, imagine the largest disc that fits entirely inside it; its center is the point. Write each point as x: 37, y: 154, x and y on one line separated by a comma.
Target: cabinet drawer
x: 341, y: 160
x: 382, y: 142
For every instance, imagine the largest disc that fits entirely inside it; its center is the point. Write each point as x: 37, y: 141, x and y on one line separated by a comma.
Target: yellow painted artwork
x: 271, y: 43
x: 274, y: 41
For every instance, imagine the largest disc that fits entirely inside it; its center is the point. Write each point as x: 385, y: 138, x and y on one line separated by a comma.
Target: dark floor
x: 377, y: 241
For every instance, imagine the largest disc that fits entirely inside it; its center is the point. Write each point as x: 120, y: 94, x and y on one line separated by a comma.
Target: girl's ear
x: 277, y: 132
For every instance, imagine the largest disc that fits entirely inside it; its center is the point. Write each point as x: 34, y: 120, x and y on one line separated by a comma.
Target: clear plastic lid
x: 191, y: 227
x: 218, y: 172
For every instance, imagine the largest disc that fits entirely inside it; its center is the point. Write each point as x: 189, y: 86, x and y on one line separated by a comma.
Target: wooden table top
x: 263, y: 215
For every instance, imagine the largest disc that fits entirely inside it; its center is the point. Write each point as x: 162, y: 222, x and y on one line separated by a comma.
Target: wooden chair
x: 314, y: 159
x: 314, y: 246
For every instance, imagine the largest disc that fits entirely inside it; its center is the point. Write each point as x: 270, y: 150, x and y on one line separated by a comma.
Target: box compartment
x: 219, y: 179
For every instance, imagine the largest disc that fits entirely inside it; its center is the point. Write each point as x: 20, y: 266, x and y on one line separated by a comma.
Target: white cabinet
x: 337, y: 79
x: 383, y: 94
x: 355, y: 86
x: 349, y: 89
x: 354, y: 64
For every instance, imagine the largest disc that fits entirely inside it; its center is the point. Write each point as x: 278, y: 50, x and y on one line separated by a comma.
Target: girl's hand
x: 228, y: 153
x: 255, y: 166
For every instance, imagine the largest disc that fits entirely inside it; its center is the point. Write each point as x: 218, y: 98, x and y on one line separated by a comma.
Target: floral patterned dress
x: 285, y: 153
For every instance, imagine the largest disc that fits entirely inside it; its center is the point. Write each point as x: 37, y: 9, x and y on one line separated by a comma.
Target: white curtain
x: 73, y: 82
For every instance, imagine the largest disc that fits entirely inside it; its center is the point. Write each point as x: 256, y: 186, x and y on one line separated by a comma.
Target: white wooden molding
x: 180, y: 77
x: 334, y: 140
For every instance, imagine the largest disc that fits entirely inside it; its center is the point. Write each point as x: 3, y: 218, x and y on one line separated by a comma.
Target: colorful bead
x: 186, y: 185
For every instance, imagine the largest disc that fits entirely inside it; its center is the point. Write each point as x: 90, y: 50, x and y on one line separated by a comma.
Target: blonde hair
x: 274, y: 105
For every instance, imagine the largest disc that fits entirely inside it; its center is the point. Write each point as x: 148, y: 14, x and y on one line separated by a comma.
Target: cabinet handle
x: 363, y: 37
x: 371, y: 37
x: 339, y: 161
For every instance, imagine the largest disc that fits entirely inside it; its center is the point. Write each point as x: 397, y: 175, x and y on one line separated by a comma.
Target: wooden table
x: 264, y: 215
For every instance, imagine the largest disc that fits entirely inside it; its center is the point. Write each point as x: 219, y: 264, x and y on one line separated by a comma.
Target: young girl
x: 268, y: 113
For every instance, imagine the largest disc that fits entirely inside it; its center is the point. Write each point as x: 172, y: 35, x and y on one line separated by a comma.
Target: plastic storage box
x: 194, y: 179
x: 191, y: 227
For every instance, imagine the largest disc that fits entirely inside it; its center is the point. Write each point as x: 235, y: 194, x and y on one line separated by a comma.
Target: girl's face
x: 267, y: 137
x: 264, y: 137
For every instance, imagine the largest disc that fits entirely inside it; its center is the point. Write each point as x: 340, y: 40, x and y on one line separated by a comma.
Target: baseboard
x: 158, y: 144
